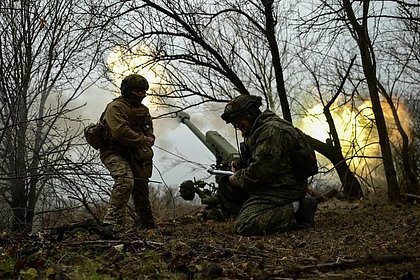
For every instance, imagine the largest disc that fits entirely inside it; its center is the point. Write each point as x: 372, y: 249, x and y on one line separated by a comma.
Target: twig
x: 346, y: 264
x: 109, y: 242
x: 412, y: 196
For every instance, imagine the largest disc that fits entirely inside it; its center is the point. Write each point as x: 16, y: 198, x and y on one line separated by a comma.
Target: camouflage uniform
x: 128, y: 157
x: 267, y: 181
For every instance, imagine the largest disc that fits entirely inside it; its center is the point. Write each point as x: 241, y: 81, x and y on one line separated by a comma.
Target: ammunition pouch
x: 142, y: 161
x: 145, y: 170
x: 144, y: 154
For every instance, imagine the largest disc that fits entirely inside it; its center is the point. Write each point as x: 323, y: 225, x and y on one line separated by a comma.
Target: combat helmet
x: 133, y: 81
x: 247, y: 105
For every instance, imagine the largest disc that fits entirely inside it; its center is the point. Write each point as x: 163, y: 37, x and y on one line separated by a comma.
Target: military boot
x: 305, y: 215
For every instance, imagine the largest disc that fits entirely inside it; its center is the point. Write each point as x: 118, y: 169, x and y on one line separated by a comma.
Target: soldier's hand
x: 232, y: 180
x: 150, y: 140
x: 234, y: 166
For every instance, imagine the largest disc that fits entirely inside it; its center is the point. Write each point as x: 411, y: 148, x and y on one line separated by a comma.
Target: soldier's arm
x: 149, y: 131
x: 270, y: 160
x: 121, y: 131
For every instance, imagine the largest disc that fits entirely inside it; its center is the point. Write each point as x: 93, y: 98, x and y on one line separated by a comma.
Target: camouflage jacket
x: 268, y: 172
x: 128, y: 124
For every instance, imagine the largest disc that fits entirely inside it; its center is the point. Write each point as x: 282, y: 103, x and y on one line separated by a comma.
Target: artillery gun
x: 224, y: 154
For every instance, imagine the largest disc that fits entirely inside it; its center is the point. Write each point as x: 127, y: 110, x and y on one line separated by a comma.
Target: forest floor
x: 363, y: 240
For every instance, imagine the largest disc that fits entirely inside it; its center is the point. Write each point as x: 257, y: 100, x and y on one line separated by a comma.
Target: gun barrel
x: 215, y: 142
x: 185, y: 119
x: 221, y: 147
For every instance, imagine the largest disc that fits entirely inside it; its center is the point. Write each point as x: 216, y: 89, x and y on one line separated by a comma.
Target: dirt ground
x: 363, y: 240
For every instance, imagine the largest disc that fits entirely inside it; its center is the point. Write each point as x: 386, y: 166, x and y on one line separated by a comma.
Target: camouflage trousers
x: 256, y: 215
x: 260, y: 216
x: 127, y: 182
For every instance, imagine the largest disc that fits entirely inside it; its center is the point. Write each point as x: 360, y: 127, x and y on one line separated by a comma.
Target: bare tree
x: 48, y: 49
x: 406, y: 55
x: 209, y: 51
x: 359, y: 29
x: 332, y: 147
x: 372, y: 27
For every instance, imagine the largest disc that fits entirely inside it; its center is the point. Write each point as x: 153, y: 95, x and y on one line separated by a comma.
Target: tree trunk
x: 18, y: 206
x: 18, y: 184
x: 351, y: 186
x: 275, y: 54
x: 369, y: 69
x: 412, y: 182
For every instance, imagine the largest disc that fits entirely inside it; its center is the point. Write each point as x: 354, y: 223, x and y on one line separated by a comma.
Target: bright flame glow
x: 357, y: 133
x: 122, y: 62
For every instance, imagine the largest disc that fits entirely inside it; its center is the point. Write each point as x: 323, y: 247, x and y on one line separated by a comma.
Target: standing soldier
x: 128, y: 154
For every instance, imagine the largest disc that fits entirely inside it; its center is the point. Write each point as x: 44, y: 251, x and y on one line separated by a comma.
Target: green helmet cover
x: 240, y: 105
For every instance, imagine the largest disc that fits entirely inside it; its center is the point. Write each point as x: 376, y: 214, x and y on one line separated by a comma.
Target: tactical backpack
x: 95, y: 134
x: 304, y: 161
